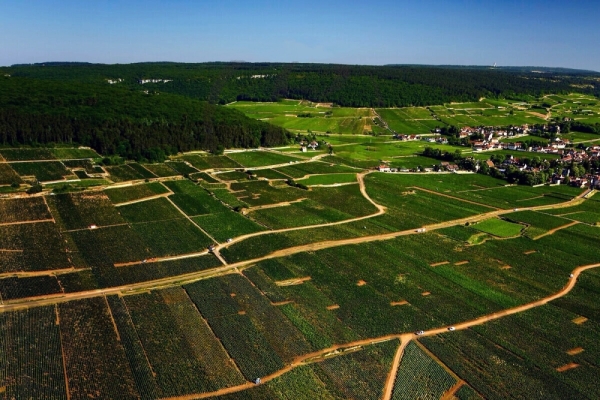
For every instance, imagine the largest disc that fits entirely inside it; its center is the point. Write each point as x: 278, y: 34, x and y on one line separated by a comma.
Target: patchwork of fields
x: 277, y: 275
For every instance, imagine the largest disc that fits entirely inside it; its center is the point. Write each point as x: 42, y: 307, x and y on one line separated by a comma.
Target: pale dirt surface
x: 158, y: 196
x: 567, y: 367
x: 575, y: 351
x: 553, y: 231
x: 27, y: 222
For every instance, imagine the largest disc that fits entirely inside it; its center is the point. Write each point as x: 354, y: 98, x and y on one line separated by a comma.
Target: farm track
x: 404, y: 338
x: 235, y: 267
x: 320, y: 355
x: 452, y: 197
x: 51, y: 272
x: 553, y: 231
x: 27, y: 222
x: 158, y: 196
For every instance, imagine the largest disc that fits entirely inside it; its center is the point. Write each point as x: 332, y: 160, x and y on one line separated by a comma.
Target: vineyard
x: 420, y: 376
x: 87, y: 336
x: 151, y: 289
x: 135, y: 192
x: 28, y: 209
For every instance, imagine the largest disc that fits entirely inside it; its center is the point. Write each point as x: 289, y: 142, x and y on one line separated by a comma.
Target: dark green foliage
x: 172, y: 237
x: 122, y: 173
x: 81, y: 210
x: 88, y: 335
x: 16, y: 288
x: 129, y: 193
x: 227, y: 224
x: 346, y: 85
x: 8, y: 176
x: 43, y: 171
x: 254, y: 332
x: 178, y: 344
x: 32, y: 247
x: 152, y: 210
x: 360, y: 374
x: 192, y: 199
x: 115, y: 120
x: 31, y: 360
x: 27, y: 209
x: 420, y: 376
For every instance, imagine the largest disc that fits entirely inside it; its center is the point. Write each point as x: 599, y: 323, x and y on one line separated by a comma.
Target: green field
x: 499, y: 227
x: 250, y: 159
x: 306, y: 116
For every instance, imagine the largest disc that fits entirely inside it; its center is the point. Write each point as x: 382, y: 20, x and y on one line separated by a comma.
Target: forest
x: 119, y: 121
x: 149, y: 110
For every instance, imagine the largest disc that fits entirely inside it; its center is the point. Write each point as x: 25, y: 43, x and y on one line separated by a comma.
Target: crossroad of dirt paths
x: 404, y: 338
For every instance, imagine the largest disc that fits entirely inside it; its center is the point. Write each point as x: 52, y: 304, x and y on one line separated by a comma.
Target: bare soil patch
x: 425, y: 293
x: 567, y: 367
x: 333, y: 307
x: 281, y: 303
x: 439, y: 263
x: 461, y: 262
x: 398, y: 303
x: 530, y: 252
x: 505, y: 267
x: 361, y: 283
x: 293, y: 281
x: 242, y: 312
x: 574, y: 351
x: 579, y: 320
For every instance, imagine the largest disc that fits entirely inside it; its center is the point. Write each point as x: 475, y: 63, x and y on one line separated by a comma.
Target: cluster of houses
x: 305, y: 145
x: 553, y: 146
x: 568, y: 157
x: 113, y: 81
x: 144, y: 81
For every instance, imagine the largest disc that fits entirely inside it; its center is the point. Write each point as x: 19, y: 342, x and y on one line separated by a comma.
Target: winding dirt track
x: 235, y: 267
x: 404, y: 338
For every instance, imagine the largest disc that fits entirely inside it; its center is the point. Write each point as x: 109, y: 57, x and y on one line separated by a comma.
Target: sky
x: 550, y: 33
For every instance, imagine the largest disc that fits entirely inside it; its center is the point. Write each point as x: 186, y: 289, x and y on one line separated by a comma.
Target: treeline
x: 129, y: 123
x: 345, y: 85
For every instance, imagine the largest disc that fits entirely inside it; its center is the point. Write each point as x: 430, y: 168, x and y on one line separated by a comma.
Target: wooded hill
x: 149, y: 110
x: 345, y: 85
x: 118, y: 120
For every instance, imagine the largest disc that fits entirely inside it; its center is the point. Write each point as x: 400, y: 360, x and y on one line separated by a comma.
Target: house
x: 383, y: 168
x: 490, y: 164
x: 303, y: 149
x: 313, y: 145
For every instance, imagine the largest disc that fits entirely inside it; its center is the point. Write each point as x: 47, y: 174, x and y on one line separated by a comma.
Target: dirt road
x: 404, y: 338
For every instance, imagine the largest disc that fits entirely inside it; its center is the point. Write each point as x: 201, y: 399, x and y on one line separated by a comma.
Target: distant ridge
x: 549, y: 70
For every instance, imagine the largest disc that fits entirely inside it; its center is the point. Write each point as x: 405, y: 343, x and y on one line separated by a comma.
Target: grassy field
x: 306, y: 116
x: 499, y: 227
x: 250, y: 159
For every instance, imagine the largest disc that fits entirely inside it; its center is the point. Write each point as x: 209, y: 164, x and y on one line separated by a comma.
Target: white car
x: 451, y: 328
x: 419, y: 333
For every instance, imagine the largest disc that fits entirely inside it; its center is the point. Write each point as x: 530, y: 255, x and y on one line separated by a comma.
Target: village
x: 578, y: 167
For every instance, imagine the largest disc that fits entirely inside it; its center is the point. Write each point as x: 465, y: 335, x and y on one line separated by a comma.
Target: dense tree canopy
x: 116, y: 110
